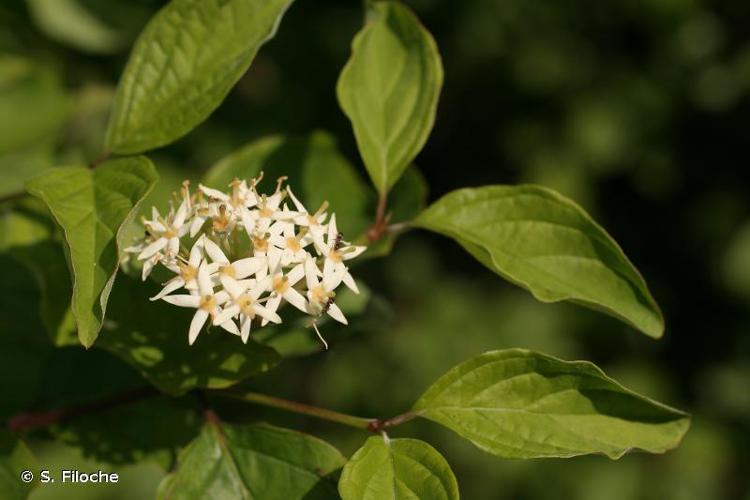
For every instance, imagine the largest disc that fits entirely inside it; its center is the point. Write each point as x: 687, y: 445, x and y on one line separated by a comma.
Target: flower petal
x: 183, y: 300
x: 226, y: 315
x: 295, y: 298
x: 246, y: 267
x: 335, y: 313
x: 171, y: 286
x: 199, y: 319
x: 213, y: 251
x: 152, y: 248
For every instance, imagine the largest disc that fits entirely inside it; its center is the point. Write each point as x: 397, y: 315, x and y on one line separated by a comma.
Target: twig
x: 303, y: 409
x: 379, y: 227
x: 27, y: 421
x: 13, y: 196
x: 374, y: 425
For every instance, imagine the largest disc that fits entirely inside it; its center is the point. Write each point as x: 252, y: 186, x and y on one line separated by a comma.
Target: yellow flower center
x: 319, y: 294
x: 260, y: 244
x: 208, y: 303
x: 334, y: 256
x: 228, y: 271
x: 246, y: 306
x: 280, y: 284
x: 293, y: 245
x: 187, y: 272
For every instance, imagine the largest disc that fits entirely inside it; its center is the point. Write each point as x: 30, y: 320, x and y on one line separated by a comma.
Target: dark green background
x: 636, y: 109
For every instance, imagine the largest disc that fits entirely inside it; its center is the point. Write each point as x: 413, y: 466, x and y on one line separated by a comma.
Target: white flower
x: 336, y: 251
x: 245, y: 305
x: 188, y: 272
x: 282, y: 286
x: 320, y: 293
x: 166, y: 233
x: 205, y: 301
x: 249, y: 253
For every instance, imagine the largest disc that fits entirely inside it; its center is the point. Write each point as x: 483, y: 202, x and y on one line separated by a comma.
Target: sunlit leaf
x: 389, y: 89
x: 397, y: 469
x: 183, y: 65
x: 253, y: 461
x: 152, y: 337
x: 521, y: 404
x: 91, y: 207
x: 544, y: 242
x: 68, y: 22
x: 317, y: 172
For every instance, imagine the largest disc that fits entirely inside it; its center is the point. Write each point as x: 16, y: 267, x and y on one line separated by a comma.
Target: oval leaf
x: 544, y: 242
x: 183, y: 65
x: 253, y: 461
x: 152, y: 337
x: 389, y: 90
x: 91, y: 207
x: 521, y: 404
x: 395, y: 469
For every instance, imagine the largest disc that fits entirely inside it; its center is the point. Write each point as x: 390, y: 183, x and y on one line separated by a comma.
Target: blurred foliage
x: 637, y: 110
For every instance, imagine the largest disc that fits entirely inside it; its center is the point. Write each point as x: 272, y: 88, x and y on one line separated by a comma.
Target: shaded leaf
x: 317, y: 172
x: 544, y: 242
x: 389, y: 90
x: 521, y: 404
x: 91, y: 207
x: 15, y: 457
x: 28, y: 235
x: 253, y: 461
x: 146, y: 430
x: 395, y: 469
x: 183, y: 65
x: 25, y: 346
x: 152, y: 337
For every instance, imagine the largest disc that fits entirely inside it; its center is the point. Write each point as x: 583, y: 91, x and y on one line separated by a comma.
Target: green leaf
x: 152, y: 337
x: 29, y: 236
x: 25, y: 348
x: 521, y: 404
x: 91, y: 207
x: 396, y: 469
x: 389, y: 90
x: 317, y: 172
x: 253, y: 461
x: 33, y: 101
x: 68, y: 22
x: 15, y: 457
x: 544, y: 242
x: 182, y: 66
x: 152, y: 430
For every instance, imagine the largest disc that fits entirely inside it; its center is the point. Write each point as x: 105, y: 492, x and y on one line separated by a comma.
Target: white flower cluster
x: 238, y: 256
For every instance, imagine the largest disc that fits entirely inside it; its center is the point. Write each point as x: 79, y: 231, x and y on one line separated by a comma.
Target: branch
x: 26, y: 421
x: 380, y: 226
x: 374, y: 425
x: 13, y: 196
